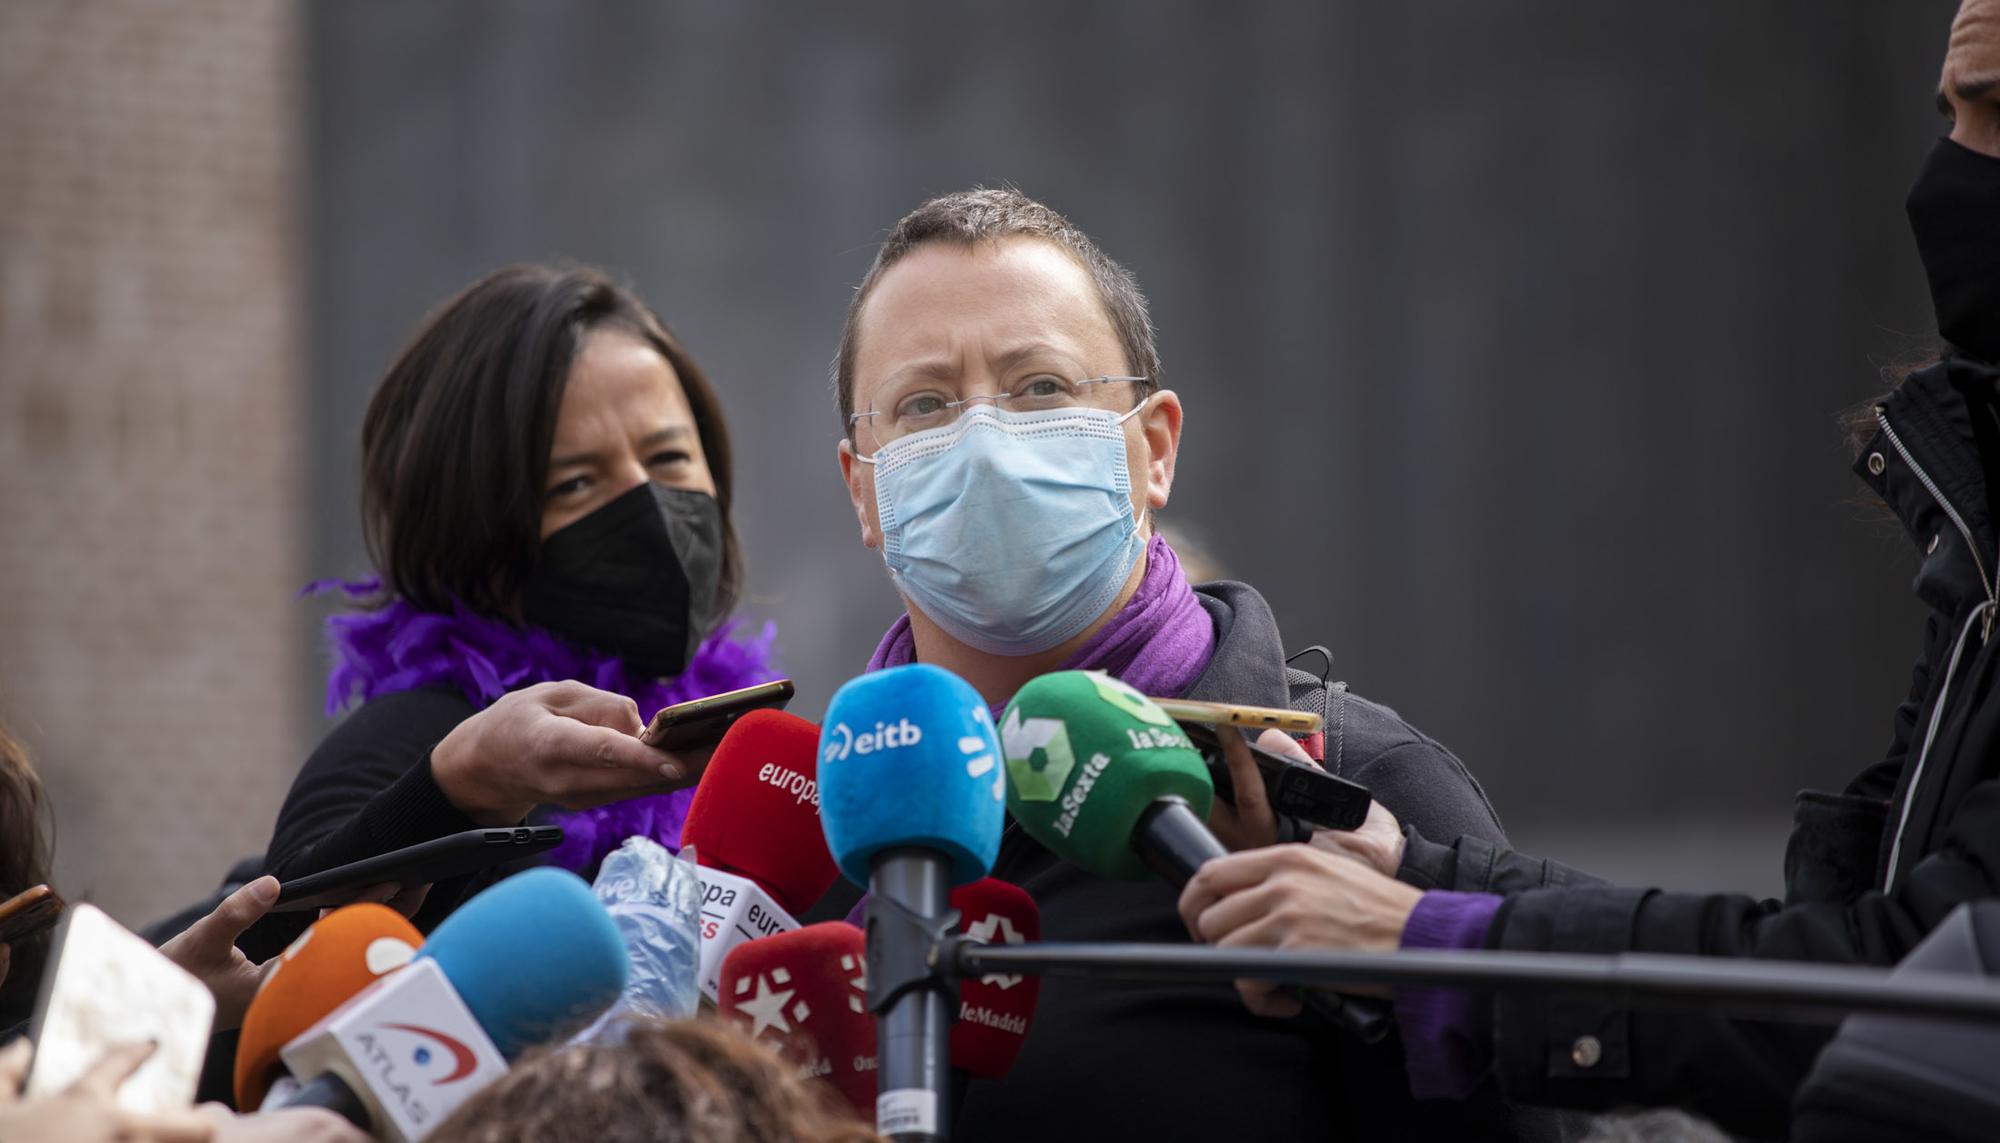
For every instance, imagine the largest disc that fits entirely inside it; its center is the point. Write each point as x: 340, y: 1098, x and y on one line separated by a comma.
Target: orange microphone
x: 330, y: 962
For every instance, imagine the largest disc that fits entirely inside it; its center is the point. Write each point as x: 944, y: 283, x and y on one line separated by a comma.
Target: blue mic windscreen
x: 532, y: 957
x: 908, y: 757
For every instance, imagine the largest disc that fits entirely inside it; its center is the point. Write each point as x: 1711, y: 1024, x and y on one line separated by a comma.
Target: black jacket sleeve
x: 1475, y: 864
x: 1740, y: 1072
x: 1428, y: 788
x: 1425, y: 784
x: 1583, y: 1053
x: 367, y: 789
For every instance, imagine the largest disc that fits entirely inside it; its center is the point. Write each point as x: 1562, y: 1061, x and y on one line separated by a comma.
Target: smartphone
x: 107, y: 986
x: 29, y: 912
x: 703, y: 721
x: 425, y: 863
x: 1236, y: 714
x: 1293, y: 788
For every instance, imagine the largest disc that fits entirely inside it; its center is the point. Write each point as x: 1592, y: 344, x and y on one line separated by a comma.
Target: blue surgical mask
x: 1011, y: 531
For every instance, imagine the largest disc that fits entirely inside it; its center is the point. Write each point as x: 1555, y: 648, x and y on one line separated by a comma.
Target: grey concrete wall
x: 1511, y: 336
x: 150, y: 447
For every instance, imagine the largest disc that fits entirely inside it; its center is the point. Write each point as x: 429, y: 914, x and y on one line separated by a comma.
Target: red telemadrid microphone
x: 338, y: 956
x: 994, y: 1011
x: 754, y: 828
x: 805, y: 993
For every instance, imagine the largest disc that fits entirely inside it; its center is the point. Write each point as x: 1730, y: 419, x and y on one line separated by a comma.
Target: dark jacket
x: 1112, y: 1060
x: 1868, y: 871
x: 367, y: 789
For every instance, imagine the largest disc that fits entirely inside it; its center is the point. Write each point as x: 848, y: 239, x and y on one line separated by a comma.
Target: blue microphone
x: 912, y: 797
x: 533, y: 956
x: 513, y: 967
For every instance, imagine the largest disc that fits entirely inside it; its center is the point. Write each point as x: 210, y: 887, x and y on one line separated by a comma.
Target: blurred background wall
x: 1511, y: 338
x: 151, y: 440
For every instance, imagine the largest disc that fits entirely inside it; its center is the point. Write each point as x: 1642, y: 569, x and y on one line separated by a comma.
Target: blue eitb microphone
x: 912, y: 795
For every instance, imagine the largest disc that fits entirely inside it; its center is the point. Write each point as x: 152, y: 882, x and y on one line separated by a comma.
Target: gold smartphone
x: 703, y: 721
x: 29, y: 912
x: 1236, y: 714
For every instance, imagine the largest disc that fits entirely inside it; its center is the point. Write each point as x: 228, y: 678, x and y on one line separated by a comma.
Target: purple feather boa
x: 398, y: 647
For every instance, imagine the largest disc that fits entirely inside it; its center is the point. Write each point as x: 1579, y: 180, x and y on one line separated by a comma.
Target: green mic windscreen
x: 1086, y: 755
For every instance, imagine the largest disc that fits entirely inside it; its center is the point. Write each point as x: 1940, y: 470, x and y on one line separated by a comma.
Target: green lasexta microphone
x: 1105, y: 779
x: 1109, y: 782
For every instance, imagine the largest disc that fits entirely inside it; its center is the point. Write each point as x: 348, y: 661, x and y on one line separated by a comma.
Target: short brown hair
x: 699, y: 1081
x: 989, y: 215
x: 455, y: 444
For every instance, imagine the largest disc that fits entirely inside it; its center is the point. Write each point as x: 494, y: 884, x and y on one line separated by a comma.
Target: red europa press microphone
x: 805, y: 992
x: 754, y: 828
x: 994, y: 1011
x: 341, y: 954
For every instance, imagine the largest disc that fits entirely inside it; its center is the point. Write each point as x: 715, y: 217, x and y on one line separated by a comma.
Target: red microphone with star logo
x: 994, y: 1011
x: 805, y: 993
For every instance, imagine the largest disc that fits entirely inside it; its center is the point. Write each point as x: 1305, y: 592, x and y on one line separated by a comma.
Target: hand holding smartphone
x: 1293, y: 789
x: 703, y: 721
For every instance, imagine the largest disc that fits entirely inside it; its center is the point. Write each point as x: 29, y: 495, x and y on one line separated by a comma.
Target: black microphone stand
x: 1774, y: 989
x: 909, y: 916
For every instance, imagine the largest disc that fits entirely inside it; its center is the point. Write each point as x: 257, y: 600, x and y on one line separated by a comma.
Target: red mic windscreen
x: 330, y: 962
x: 994, y: 1011
x: 805, y: 993
x: 756, y: 811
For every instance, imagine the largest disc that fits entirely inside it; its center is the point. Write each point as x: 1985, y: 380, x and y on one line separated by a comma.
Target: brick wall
x: 150, y: 388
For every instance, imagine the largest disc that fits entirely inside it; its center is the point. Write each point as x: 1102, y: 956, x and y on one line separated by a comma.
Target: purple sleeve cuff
x: 1443, y: 1047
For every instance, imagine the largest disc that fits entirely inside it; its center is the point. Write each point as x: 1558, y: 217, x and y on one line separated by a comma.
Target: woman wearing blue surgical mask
x: 546, y: 494
x: 1007, y: 444
x: 1008, y: 518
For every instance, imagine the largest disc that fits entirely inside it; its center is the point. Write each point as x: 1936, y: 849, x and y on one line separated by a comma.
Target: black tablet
x: 425, y: 863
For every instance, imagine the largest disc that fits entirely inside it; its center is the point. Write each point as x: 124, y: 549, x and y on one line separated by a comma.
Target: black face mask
x: 1955, y: 211
x: 637, y: 578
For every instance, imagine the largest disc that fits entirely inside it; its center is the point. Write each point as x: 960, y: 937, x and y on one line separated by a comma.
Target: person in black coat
x: 1869, y: 870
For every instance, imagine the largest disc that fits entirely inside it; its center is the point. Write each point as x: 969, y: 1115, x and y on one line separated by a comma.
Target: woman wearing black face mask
x: 546, y: 493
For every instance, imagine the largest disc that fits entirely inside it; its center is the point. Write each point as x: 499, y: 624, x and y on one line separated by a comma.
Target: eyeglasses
x: 922, y: 406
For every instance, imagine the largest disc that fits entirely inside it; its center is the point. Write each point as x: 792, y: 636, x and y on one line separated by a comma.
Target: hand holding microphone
x: 208, y: 949
x: 1298, y: 898
x: 1105, y: 779
x: 1288, y: 896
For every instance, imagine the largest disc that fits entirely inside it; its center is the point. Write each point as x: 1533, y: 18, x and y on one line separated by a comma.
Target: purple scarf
x: 398, y: 647
x: 1159, y: 643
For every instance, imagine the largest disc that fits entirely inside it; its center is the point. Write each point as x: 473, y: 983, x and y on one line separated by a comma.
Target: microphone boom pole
x: 1813, y: 992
